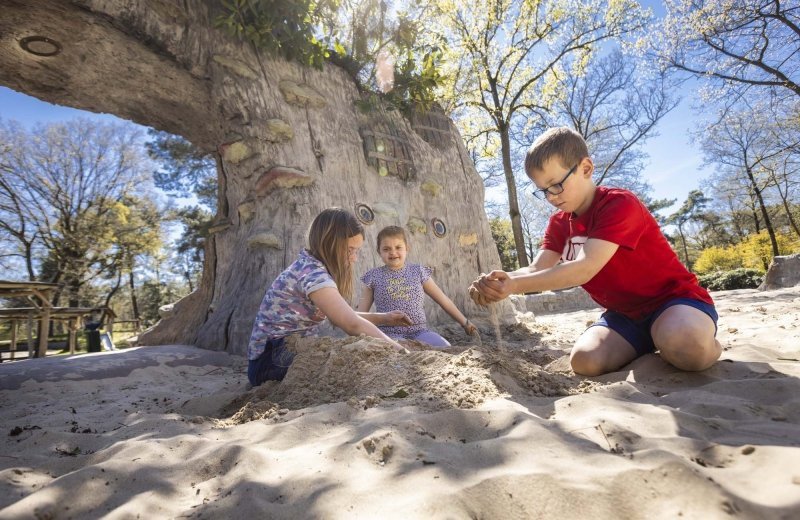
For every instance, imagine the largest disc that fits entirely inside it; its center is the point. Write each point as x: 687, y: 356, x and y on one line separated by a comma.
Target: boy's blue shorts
x: 272, y: 365
x: 637, y: 332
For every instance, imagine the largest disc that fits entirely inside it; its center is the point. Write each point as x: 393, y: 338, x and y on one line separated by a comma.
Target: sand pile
x: 365, y: 372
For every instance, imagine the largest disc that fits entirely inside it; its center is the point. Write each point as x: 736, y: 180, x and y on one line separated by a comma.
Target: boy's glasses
x: 554, y: 189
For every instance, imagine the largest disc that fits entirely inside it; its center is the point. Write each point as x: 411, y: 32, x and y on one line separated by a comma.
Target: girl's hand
x: 399, y: 348
x: 469, y: 328
x: 396, y: 319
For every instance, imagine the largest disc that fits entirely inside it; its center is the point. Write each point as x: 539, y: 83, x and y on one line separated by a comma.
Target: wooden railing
x: 75, y: 317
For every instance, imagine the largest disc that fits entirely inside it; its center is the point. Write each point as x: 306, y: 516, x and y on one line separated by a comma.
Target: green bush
x: 741, y: 278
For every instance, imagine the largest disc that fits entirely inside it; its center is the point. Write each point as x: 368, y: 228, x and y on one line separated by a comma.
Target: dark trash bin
x: 93, y: 340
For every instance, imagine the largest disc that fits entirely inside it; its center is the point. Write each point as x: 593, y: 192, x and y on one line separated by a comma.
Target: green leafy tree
x: 386, y: 49
x: 356, y: 35
x: 654, y: 206
x: 189, y: 247
x: 184, y: 170
x: 502, y: 64
x: 712, y: 230
x: 690, y: 210
x: 504, y: 240
x: 137, y: 231
x: 156, y: 294
x: 288, y: 29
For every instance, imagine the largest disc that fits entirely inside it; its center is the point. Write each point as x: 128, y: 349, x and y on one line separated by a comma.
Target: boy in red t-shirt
x: 606, y: 240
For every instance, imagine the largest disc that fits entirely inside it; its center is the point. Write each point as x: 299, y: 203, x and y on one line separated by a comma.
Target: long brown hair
x: 327, y: 241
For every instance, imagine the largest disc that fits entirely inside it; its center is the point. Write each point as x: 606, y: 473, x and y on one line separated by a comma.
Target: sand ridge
x: 497, y: 430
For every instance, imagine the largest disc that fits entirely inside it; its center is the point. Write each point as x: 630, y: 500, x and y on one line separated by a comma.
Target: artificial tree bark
x: 289, y: 141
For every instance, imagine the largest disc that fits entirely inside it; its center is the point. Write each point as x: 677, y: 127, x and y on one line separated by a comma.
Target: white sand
x: 502, y: 430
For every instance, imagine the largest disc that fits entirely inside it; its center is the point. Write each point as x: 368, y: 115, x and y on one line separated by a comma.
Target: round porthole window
x: 439, y: 229
x: 40, y: 45
x: 364, y: 213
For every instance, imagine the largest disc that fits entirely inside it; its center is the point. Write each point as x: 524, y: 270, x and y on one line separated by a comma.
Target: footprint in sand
x: 379, y: 448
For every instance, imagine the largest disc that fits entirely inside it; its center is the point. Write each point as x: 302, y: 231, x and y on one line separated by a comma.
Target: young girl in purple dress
x: 398, y: 286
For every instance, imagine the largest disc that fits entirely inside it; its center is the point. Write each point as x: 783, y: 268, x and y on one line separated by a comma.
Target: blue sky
x: 676, y: 164
x: 29, y: 110
x: 674, y: 167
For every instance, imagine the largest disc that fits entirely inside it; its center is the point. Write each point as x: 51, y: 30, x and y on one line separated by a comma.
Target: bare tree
x: 739, y: 45
x: 503, y: 58
x: 742, y: 144
x: 784, y: 169
x: 534, y: 216
x: 63, y: 189
x: 615, y: 105
x: 731, y: 196
x: 17, y: 223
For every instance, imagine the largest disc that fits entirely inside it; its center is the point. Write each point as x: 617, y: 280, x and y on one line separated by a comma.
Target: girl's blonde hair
x: 327, y: 242
x: 391, y: 231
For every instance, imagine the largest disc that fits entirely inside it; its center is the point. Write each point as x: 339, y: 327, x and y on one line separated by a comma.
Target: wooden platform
x: 40, y: 316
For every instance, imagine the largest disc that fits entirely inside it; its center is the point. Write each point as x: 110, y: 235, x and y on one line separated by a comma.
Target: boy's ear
x: 587, y: 167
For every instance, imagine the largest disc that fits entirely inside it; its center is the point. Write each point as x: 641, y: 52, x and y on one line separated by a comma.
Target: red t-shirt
x: 644, y: 272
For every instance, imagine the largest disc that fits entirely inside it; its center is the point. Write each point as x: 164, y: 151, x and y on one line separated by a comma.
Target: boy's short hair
x: 391, y: 231
x: 563, y: 143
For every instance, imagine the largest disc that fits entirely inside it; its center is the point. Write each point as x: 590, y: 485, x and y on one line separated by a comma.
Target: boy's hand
x: 396, y: 319
x: 495, y: 286
x: 476, y: 295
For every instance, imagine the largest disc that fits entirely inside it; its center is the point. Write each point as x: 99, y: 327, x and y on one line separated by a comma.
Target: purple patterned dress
x: 400, y: 290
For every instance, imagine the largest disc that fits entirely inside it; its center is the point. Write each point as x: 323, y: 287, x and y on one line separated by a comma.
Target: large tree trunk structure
x: 289, y: 141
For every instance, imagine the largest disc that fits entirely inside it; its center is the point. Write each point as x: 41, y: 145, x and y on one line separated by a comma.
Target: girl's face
x: 393, y: 252
x: 353, y: 246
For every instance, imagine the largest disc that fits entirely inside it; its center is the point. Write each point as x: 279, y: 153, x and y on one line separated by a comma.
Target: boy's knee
x: 685, y: 341
x: 691, y: 354
x: 587, y: 362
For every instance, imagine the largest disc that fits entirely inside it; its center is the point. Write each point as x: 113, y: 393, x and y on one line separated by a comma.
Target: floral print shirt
x: 287, y: 308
